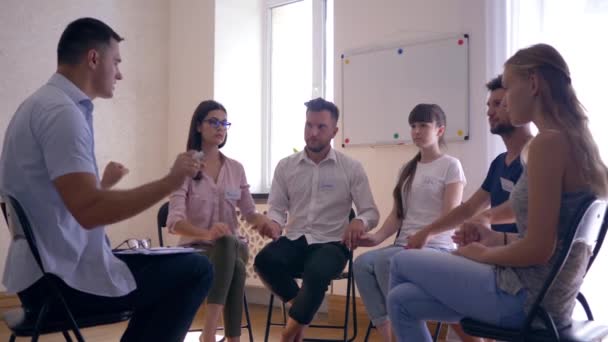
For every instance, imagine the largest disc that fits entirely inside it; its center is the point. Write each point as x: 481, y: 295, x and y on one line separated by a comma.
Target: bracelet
x: 505, y: 235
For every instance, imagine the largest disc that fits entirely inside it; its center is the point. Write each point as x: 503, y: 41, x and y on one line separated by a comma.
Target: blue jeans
x: 438, y: 286
x: 371, y: 270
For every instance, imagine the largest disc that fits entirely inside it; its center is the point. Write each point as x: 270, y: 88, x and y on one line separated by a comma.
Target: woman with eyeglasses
x: 203, y: 213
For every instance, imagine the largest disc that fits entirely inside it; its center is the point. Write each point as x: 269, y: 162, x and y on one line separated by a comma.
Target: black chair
x: 435, y: 335
x: 591, y: 221
x: 24, y: 322
x: 350, y: 296
x: 161, y: 221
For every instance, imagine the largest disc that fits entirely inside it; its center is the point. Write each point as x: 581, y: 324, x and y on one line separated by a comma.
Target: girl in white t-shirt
x: 429, y: 186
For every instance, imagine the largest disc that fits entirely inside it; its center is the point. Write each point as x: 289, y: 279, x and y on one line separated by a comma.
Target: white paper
x: 158, y: 250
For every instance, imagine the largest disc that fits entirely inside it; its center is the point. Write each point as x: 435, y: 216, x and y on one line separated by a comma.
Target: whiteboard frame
x: 404, y: 44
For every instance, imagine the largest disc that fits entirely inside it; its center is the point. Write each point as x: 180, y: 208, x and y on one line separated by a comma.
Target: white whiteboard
x: 380, y: 87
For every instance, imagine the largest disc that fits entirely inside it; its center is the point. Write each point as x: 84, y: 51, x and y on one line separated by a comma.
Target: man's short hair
x: 82, y: 35
x: 495, y: 83
x: 320, y: 104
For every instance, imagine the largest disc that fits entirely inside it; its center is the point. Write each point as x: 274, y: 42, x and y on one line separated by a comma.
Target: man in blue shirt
x: 502, y: 175
x: 48, y: 164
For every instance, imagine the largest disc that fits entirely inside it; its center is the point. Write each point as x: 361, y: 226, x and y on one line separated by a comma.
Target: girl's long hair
x: 421, y: 113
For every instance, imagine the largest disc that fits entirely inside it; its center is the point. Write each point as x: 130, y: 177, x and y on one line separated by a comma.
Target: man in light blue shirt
x: 48, y: 164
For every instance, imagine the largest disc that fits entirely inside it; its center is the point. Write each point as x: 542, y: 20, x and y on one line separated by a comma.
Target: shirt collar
x: 304, y: 157
x: 72, y: 91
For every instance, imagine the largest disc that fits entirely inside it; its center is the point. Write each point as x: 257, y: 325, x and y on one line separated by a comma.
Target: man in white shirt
x: 317, y: 188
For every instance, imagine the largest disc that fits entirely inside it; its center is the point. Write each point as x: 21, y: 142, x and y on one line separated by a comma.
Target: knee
x: 362, y: 263
x: 240, y: 269
x: 265, y: 260
x: 201, y: 268
x: 227, y: 243
x: 381, y: 265
x: 393, y: 304
x: 397, y: 262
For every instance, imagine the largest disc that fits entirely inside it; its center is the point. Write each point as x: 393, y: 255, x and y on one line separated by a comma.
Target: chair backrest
x: 161, y: 221
x: 591, y: 225
x: 600, y: 240
x: 19, y: 226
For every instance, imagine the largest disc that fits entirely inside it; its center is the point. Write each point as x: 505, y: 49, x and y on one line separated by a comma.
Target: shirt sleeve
x: 245, y: 203
x: 66, y: 141
x: 363, y: 198
x: 177, y: 206
x: 455, y: 173
x: 278, y: 199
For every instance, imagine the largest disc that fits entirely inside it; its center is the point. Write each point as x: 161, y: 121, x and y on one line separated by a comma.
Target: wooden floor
x: 258, y: 320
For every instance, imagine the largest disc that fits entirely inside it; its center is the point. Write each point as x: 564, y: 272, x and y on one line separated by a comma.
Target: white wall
x: 167, y: 67
x: 191, y: 40
x: 362, y: 23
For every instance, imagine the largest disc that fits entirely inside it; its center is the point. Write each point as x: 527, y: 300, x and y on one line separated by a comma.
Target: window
x: 576, y: 28
x: 296, y: 55
x: 270, y: 57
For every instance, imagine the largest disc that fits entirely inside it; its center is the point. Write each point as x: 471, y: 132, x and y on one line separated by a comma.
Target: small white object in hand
x: 199, y: 155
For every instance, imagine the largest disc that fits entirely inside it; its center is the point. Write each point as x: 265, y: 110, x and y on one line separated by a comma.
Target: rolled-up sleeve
x: 363, y: 198
x: 278, y: 199
x: 177, y: 206
x: 246, y: 204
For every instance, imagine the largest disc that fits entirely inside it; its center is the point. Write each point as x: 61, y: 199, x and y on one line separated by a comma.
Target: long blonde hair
x: 560, y: 103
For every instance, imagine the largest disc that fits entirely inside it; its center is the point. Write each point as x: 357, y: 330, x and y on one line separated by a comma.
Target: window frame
x: 318, y: 86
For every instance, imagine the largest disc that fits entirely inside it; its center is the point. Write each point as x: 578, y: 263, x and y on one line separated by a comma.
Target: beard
x: 502, y: 129
x: 316, y: 149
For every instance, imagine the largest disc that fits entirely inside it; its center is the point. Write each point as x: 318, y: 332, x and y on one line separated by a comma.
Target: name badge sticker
x: 326, y: 186
x: 233, y: 194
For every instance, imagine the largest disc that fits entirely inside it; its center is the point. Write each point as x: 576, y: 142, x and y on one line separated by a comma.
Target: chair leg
x: 347, y: 309
x: 368, y: 332
x: 437, y: 331
x: 66, y: 335
x: 41, y: 316
x: 269, y: 318
x: 354, y: 299
x: 246, y: 307
x: 12, y: 338
x: 284, y: 309
x: 581, y: 298
x: 75, y: 328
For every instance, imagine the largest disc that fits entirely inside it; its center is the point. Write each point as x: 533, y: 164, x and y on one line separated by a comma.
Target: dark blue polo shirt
x: 499, y: 183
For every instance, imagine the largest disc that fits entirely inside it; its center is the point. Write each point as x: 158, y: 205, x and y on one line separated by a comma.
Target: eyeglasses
x: 135, y: 244
x: 215, y: 123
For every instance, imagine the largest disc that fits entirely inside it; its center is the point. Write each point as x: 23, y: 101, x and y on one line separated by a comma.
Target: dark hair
x: 82, y: 35
x: 421, y: 113
x: 495, y: 83
x: 195, y: 141
x: 320, y: 104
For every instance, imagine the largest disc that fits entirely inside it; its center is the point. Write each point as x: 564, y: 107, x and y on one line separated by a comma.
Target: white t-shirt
x: 425, y: 201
